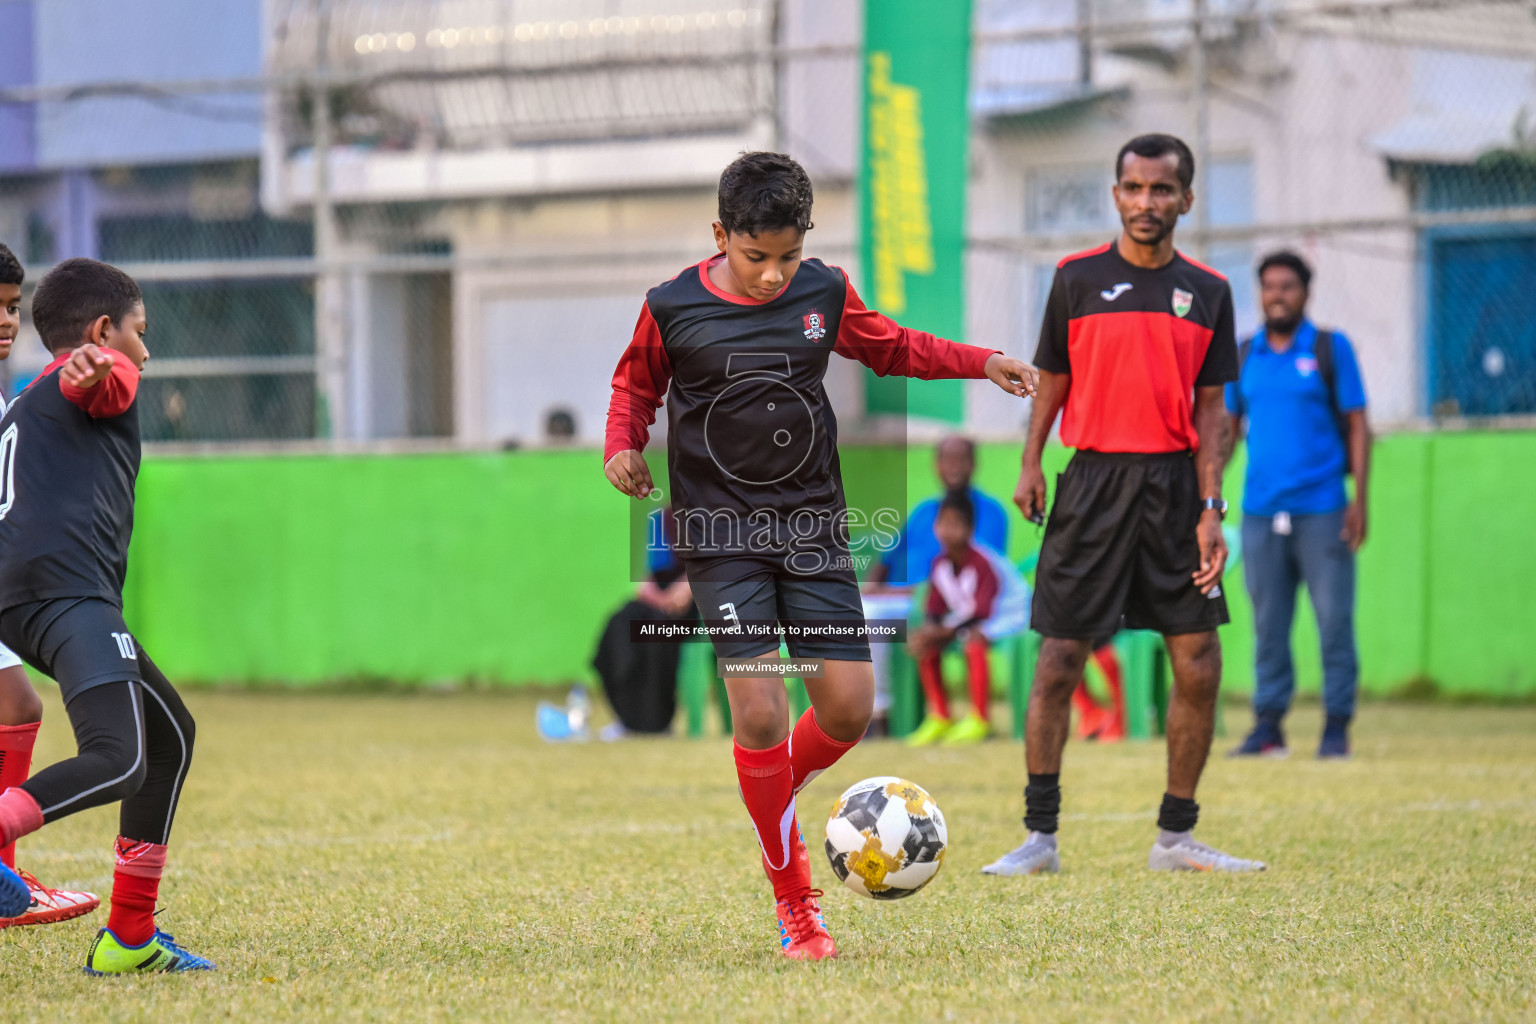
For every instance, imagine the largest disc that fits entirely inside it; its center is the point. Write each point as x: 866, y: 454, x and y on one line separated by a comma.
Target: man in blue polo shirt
x: 1302, y: 399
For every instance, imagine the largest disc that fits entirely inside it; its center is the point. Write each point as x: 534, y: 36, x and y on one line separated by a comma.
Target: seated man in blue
x: 891, y: 581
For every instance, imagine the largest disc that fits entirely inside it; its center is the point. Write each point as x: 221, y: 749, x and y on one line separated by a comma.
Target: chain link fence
x: 505, y: 178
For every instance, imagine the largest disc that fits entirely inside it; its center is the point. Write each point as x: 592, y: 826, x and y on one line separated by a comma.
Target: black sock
x: 1042, y: 803
x: 1177, y: 814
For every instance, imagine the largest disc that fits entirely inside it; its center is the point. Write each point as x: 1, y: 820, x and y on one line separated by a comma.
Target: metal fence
x: 324, y: 287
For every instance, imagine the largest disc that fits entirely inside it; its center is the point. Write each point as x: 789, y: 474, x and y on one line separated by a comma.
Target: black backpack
x: 1323, y: 352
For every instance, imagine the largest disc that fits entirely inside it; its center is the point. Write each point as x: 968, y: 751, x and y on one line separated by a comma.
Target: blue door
x: 1482, y: 325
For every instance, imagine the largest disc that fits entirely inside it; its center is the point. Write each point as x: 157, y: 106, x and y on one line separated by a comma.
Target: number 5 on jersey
x: 125, y: 645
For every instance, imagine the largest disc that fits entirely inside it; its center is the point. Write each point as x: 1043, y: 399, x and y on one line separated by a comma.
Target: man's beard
x: 1287, y: 325
x: 1163, y: 230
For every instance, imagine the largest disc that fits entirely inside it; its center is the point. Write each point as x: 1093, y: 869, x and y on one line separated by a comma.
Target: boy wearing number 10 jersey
x: 738, y: 345
x: 69, y: 459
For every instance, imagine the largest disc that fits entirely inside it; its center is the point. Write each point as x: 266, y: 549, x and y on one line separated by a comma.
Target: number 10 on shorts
x: 125, y: 645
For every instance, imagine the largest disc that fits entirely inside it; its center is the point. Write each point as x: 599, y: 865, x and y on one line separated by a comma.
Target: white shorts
x: 8, y: 658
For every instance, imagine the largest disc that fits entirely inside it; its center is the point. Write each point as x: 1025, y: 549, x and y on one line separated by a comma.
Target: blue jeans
x: 1273, y: 565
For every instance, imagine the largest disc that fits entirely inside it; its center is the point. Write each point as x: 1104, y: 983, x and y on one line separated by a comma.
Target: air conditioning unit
x: 1161, y: 31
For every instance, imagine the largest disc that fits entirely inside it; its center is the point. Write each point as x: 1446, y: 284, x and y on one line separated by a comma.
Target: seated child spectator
x: 974, y: 598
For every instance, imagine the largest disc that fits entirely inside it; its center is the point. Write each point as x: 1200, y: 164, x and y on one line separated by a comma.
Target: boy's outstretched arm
x: 99, y: 381
x: 642, y: 377
x: 889, y: 349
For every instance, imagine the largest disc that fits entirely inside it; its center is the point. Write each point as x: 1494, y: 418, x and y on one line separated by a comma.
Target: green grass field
x: 426, y: 858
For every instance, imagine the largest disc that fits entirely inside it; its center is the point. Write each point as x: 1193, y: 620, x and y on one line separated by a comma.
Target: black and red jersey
x: 69, y: 459
x: 750, y: 429
x: 1137, y: 342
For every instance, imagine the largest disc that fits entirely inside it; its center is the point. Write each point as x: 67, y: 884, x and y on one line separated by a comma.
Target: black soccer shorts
x: 80, y: 642
x: 1121, y: 542
x: 745, y: 591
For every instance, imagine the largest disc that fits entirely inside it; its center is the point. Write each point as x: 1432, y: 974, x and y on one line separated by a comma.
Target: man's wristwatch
x: 1214, y: 503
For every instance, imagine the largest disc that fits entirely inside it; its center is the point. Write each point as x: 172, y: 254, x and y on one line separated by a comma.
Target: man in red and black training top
x: 739, y: 345
x: 1135, y: 348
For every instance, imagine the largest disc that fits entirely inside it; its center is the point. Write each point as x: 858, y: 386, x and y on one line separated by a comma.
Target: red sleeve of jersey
x: 889, y: 349
x: 110, y: 396
x: 642, y: 377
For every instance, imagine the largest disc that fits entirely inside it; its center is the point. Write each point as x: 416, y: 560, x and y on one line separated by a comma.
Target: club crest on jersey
x: 815, y: 326
x: 1182, y: 301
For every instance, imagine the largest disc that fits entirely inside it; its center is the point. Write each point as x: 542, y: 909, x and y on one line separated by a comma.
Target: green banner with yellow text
x: 912, y: 188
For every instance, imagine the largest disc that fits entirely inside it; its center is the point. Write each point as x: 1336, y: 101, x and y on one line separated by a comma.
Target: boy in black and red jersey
x: 739, y: 345
x: 69, y: 458
x: 21, y: 709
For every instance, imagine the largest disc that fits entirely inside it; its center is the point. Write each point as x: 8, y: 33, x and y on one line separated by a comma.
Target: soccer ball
x: 886, y: 838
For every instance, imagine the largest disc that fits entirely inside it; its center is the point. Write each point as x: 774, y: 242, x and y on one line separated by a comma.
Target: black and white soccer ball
x: 886, y: 838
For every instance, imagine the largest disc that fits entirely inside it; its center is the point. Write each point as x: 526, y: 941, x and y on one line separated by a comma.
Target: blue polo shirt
x: 913, y: 555
x: 1296, y: 457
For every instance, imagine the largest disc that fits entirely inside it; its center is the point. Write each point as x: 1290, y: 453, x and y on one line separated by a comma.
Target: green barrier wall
x: 502, y: 568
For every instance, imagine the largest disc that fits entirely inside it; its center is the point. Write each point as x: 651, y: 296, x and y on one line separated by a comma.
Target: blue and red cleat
x: 802, y: 931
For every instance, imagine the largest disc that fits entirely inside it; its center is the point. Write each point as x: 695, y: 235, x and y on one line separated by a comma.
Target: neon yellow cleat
x: 930, y: 732
x: 160, y: 954
x: 968, y: 732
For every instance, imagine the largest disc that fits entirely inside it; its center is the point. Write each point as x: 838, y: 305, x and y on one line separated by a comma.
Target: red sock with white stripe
x: 768, y: 790
x: 135, y: 890
x: 812, y: 751
x: 16, y: 743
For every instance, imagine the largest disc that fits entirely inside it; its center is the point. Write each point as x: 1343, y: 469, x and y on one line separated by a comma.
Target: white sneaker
x: 1189, y: 855
x: 51, y: 905
x: 1037, y: 854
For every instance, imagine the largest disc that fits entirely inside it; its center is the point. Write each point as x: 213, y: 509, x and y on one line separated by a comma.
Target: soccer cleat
x: 1038, y: 853
x: 1266, y: 740
x: 969, y: 731
x: 1335, y: 742
x: 50, y: 906
x: 159, y: 955
x: 1188, y: 855
x: 930, y: 732
x: 15, y: 894
x: 802, y: 930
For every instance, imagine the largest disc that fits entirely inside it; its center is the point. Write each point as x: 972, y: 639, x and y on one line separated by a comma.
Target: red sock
x: 812, y: 751
x: 931, y: 671
x: 768, y: 790
x: 1083, y: 701
x: 1109, y: 664
x: 135, y: 889
x: 979, y: 672
x: 19, y: 815
x: 16, y: 742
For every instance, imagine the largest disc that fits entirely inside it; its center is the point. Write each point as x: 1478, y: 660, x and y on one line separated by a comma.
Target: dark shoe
x: 1266, y: 740
x: 1335, y: 743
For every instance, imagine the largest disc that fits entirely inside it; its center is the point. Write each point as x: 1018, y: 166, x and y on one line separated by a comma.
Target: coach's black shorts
x: 751, y: 590
x: 79, y: 642
x: 1121, y: 541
